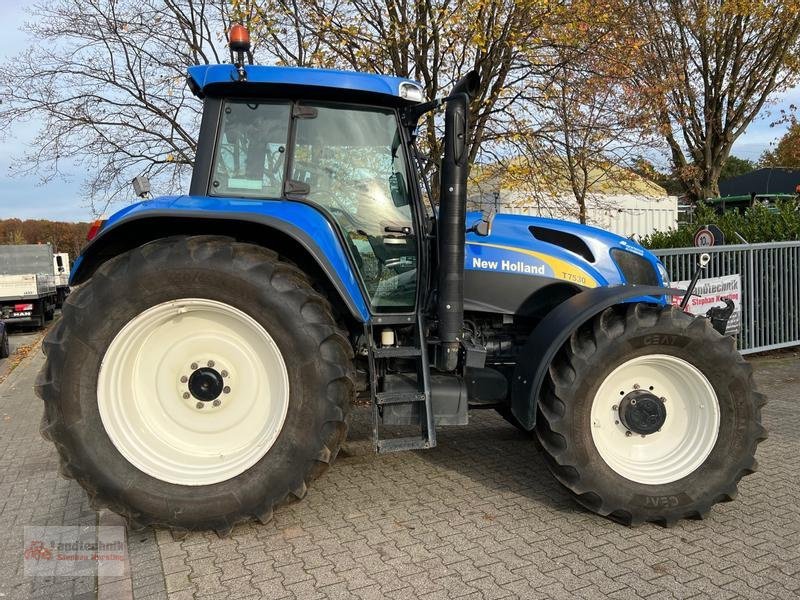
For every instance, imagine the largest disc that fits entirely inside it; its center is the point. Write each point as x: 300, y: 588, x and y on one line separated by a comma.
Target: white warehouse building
x: 622, y: 202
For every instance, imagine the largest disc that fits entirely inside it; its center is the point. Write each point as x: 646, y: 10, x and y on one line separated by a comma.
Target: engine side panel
x: 511, y: 265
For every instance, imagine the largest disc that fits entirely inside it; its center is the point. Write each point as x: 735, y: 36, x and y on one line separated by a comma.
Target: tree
x: 735, y: 166
x: 63, y: 237
x: 667, y: 180
x: 108, y: 79
x: 707, y: 68
x: 589, y: 125
x: 787, y: 151
x: 433, y: 41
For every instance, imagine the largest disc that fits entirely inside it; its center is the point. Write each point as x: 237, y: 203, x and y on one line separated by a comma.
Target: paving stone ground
x: 477, y: 517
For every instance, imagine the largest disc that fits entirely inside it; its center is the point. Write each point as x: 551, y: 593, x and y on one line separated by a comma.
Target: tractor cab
x: 329, y: 139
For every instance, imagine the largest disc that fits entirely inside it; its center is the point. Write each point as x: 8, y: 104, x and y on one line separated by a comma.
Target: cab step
x: 396, y: 351
x: 384, y: 398
x: 401, y: 444
x: 401, y: 395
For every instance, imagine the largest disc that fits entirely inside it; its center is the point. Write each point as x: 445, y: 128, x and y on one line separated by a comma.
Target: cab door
x: 351, y: 162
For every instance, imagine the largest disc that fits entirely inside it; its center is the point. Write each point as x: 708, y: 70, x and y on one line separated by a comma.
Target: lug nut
x: 628, y: 434
x: 616, y: 422
x: 194, y: 366
x: 210, y: 363
x: 226, y: 389
x: 199, y: 405
x: 663, y: 399
x: 636, y: 386
x: 614, y: 407
x: 224, y: 373
x: 185, y: 395
x: 216, y: 402
x: 184, y: 379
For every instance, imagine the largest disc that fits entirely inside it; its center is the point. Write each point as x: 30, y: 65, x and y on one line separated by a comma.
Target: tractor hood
x: 524, y: 254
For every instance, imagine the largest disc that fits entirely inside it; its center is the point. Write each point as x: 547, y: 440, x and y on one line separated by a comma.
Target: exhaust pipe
x: 451, y: 222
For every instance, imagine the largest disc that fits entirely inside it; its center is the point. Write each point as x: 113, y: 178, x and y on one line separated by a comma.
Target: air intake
x: 567, y: 241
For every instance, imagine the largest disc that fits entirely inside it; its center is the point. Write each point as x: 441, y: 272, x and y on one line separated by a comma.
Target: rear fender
x: 554, y: 331
x: 275, y: 224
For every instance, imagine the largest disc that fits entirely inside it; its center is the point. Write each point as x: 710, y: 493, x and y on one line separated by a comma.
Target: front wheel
x: 650, y: 415
x: 196, y: 382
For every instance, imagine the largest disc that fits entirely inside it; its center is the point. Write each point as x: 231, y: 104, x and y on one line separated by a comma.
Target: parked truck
x: 206, y: 362
x: 28, y: 287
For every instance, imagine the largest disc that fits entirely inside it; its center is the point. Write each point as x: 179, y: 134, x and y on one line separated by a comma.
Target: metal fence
x: 770, y: 275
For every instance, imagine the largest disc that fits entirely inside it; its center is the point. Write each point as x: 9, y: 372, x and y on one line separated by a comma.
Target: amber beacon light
x: 239, y: 44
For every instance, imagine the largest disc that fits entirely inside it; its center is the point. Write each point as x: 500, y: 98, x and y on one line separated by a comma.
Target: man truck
x: 28, y: 290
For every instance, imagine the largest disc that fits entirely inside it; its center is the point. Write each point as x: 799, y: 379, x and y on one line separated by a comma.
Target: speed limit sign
x: 703, y: 238
x: 709, y: 235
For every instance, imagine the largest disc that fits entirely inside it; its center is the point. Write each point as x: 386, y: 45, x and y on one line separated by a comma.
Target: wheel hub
x: 642, y: 412
x: 206, y: 384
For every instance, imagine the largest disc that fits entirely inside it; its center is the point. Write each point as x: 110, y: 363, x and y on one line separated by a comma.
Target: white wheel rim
x: 141, y: 400
x: 687, y: 436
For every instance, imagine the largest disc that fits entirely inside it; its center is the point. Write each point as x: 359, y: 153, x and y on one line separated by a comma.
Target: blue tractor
x: 207, y: 358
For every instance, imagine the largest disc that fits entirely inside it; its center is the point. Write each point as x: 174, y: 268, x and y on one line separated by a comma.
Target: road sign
x: 709, y: 235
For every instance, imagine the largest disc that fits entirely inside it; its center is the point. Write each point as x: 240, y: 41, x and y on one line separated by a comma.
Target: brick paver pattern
x: 477, y: 517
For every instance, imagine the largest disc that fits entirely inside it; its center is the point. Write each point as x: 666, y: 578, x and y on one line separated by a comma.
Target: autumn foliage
x: 63, y: 237
x: 583, y: 86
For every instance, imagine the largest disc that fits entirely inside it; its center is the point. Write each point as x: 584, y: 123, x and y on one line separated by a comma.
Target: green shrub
x: 758, y: 224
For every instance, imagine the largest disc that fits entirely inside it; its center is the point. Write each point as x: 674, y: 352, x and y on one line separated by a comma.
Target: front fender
x: 189, y: 215
x: 554, y: 331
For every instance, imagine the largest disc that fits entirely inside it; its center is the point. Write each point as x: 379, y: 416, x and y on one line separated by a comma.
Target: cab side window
x: 251, y: 150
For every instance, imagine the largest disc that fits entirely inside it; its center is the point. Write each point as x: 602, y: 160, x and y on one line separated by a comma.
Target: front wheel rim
x: 169, y: 426
x: 687, y: 436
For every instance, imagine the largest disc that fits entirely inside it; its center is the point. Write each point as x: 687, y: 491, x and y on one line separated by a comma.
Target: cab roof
x: 268, y: 81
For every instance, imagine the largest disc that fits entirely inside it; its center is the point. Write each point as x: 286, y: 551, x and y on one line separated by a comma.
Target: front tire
x: 686, y: 444
x: 196, y: 382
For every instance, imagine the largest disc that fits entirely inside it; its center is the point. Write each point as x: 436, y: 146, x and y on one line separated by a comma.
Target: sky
x: 25, y: 197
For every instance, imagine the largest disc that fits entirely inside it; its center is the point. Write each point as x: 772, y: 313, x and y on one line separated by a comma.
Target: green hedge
x: 758, y: 224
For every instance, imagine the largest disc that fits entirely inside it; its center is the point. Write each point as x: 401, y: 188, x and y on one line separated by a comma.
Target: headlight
x: 411, y: 91
x: 662, y: 272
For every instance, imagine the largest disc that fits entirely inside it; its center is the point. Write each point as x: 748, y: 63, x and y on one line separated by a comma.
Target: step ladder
x: 380, y: 359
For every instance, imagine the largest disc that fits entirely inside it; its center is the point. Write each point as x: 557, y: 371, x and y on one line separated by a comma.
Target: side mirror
x: 141, y: 186
x: 483, y: 228
x: 398, y: 190
x: 60, y: 263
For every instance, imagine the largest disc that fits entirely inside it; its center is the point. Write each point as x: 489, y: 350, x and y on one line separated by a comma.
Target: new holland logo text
x: 511, y: 266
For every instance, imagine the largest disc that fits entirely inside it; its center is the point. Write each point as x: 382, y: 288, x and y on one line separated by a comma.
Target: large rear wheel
x: 196, y: 382
x: 650, y: 415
